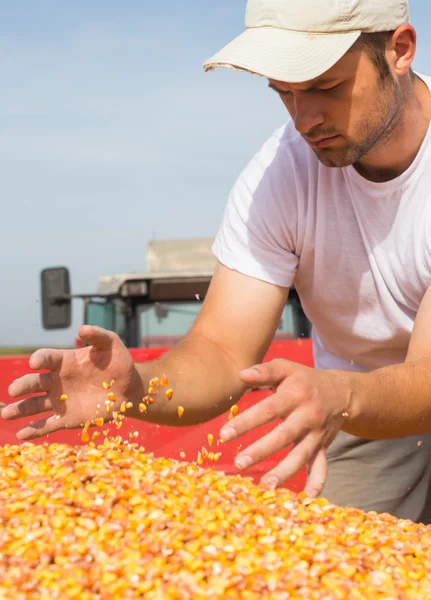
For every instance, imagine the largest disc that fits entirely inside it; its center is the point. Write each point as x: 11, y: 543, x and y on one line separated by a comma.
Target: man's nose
x: 307, y: 114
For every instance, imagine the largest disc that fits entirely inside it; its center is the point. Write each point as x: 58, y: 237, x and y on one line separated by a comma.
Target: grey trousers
x: 392, y: 476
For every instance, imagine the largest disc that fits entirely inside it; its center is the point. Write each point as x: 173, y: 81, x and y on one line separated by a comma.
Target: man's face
x: 347, y: 112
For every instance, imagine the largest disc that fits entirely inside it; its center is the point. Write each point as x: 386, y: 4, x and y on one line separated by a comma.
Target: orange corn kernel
x: 163, y: 381
x: 234, y: 410
x: 111, y: 397
x: 100, y: 421
x: 180, y: 411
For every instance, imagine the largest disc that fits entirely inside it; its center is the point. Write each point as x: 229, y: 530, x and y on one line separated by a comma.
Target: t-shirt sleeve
x: 257, y: 236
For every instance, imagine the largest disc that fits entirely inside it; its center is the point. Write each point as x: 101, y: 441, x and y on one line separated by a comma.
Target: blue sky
x: 111, y: 134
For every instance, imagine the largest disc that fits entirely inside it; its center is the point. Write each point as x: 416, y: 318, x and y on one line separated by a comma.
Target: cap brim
x: 283, y: 55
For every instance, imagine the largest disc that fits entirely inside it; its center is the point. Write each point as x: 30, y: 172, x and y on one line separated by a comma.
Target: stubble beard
x: 375, y: 128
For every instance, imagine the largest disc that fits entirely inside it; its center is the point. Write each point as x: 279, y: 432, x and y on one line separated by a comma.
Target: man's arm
x: 236, y: 324
x: 233, y: 330
x: 395, y: 401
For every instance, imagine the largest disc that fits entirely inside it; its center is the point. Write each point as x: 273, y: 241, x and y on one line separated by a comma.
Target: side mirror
x: 56, y: 299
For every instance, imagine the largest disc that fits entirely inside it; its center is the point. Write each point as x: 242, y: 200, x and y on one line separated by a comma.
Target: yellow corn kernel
x: 163, y: 381
x: 154, y: 382
x: 129, y: 405
x: 210, y: 439
x: 95, y: 435
x: 169, y: 393
x: 150, y: 390
x: 199, y: 458
x: 180, y: 411
x: 234, y: 410
x: 142, y: 407
x: 106, y: 385
x: 123, y: 406
x: 182, y: 454
x: 99, y: 421
x: 63, y: 397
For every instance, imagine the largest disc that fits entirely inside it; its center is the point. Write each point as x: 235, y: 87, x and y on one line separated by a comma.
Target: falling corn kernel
x: 129, y: 405
x: 210, y: 439
x: 217, y: 456
x: 345, y: 414
x: 95, y: 435
x: 154, y: 382
x: 87, y: 425
x: 115, y: 415
x: 150, y: 400
x: 100, y: 421
x: 84, y: 436
x: 199, y: 458
x: 63, y: 397
x: 151, y: 390
x: 180, y: 411
x: 142, y: 407
x: 108, y: 406
x: 163, y: 381
x: 169, y: 393
x: 234, y: 410
x: 106, y: 385
x: 106, y: 432
x: 204, y: 452
x: 111, y: 397
x: 211, y: 456
x: 420, y: 443
x: 182, y: 454
x: 123, y: 406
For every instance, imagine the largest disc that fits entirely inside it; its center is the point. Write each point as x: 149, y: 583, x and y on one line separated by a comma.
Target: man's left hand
x: 312, y: 404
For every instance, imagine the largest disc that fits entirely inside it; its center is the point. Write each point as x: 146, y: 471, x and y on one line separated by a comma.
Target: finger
x: 46, y: 359
x: 318, y: 472
x: 33, y: 383
x: 291, y: 430
x: 268, y: 374
x: 26, y: 408
x: 99, y: 338
x: 298, y: 457
x: 40, y: 428
x: 260, y: 414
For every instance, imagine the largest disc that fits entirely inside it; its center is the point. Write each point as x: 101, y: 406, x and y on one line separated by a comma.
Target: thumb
x: 318, y: 471
x: 269, y: 374
x: 100, y: 339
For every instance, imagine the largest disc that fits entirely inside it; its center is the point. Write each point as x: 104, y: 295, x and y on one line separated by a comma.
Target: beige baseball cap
x: 298, y: 40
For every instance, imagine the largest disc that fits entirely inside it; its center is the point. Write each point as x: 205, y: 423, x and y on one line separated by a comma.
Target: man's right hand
x: 79, y: 375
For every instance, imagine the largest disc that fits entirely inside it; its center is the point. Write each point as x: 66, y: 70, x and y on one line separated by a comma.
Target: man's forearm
x: 203, y: 377
x: 391, y: 402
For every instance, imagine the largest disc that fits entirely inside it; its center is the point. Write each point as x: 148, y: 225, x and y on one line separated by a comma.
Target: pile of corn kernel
x: 113, y: 522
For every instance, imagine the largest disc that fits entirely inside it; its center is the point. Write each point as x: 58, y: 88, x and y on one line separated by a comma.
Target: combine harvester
x: 151, y: 312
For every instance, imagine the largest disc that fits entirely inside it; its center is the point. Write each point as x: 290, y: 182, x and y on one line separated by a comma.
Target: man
x: 339, y: 202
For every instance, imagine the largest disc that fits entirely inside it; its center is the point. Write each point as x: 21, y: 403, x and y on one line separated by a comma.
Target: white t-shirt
x: 358, y: 252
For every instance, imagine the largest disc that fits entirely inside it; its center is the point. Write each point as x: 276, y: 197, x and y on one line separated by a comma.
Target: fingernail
x: 228, y: 434
x: 243, y: 462
x: 250, y: 372
x: 270, y: 482
x: 21, y: 435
